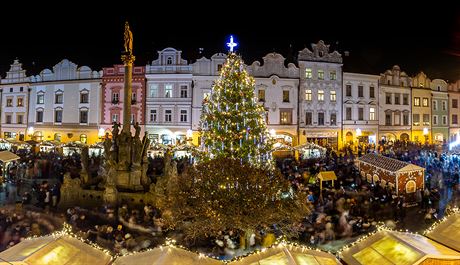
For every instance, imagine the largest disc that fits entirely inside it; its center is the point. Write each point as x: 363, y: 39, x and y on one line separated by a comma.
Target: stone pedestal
x: 130, y: 180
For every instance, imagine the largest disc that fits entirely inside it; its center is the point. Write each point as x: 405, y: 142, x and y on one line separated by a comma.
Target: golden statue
x: 128, y: 39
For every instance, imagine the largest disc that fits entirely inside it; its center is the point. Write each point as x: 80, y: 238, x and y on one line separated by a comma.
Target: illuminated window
x: 332, y: 75
x: 168, y: 90
x: 153, y: 90
x: 308, y: 73
x: 372, y: 114
x: 115, y: 97
x: 20, y: 102
x: 411, y: 186
x: 285, y: 116
x: 333, y: 96
x: 308, y: 95
x: 9, y: 102
x: 261, y: 95
x: 320, y: 95
x: 285, y: 95
x: 417, y: 101
x: 425, y: 102
x: 333, y: 119
x: 115, y: 117
x: 320, y: 74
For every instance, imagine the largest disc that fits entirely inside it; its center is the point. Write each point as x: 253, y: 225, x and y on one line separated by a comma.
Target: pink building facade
x: 113, y: 97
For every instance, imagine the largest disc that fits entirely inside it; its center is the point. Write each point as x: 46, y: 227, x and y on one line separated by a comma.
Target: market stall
x: 167, y: 255
x: 391, y: 247
x: 447, y: 232
x: 96, y: 149
x: 404, y: 178
x: 284, y: 254
x: 156, y: 150
x: 310, y: 150
x: 54, y: 250
x: 47, y: 146
x: 5, y: 145
x: 71, y: 148
x: 281, y: 150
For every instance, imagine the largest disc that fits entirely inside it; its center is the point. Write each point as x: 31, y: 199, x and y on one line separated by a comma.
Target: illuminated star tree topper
x: 231, y: 44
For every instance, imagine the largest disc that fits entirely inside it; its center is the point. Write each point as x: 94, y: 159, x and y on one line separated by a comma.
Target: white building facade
x: 320, y: 95
x: 65, y: 104
x: 14, y: 94
x: 360, y: 108
x: 277, y: 90
x: 395, y: 117
x: 168, y: 98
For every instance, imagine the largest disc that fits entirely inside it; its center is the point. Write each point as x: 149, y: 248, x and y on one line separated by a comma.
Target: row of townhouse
x: 313, y: 101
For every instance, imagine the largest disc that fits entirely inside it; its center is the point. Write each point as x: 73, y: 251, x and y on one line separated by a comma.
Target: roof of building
x: 7, y: 156
x: 326, y: 175
x: 387, y: 163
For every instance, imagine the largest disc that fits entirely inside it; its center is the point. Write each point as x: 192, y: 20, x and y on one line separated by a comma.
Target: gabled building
x: 169, y: 98
x: 440, y: 111
x: 454, y: 111
x: 360, y: 109
x: 277, y: 90
x: 14, y: 98
x: 112, y: 97
x: 395, y: 105
x: 320, y: 96
x: 205, y: 72
x: 421, y: 109
x: 65, y: 104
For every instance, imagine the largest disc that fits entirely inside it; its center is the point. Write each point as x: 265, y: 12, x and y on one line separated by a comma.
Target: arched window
x: 83, y: 138
x: 375, y: 178
x: 169, y: 60
x: 38, y: 136
x: 411, y: 186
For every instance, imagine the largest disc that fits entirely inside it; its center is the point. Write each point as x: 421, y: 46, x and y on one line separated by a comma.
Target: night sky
x: 377, y: 37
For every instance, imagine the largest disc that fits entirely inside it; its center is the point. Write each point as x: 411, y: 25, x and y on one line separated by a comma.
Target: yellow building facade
x: 421, y: 109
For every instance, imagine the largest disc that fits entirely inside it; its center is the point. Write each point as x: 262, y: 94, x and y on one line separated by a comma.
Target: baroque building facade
x: 421, y: 109
x: 65, y: 104
x: 395, y: 105
x: 360, y: 108
x: 320, y: 96
x: 169, y: 98
x: 14, y: 98
x: 113, y: 97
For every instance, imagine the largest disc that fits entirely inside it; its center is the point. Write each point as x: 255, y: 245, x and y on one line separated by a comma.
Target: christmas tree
x: 232, y: 122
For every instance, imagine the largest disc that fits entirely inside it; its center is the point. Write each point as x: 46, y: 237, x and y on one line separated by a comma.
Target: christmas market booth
x: 5, y: 145
x: 48, y: 146
x: 185, y: 150
x: 326, y: 176
x: 447, y: 232
x: 286, y: 254
x: 70, y: 148
x: 402, y: 177
x: 310, y: 150
x: 6, y: 157
x: 53, y: 250
x: 281, y: 150
x: 398, y: 248
x: 166, y: 255
x: 157, y: 150
x: 96, y: 149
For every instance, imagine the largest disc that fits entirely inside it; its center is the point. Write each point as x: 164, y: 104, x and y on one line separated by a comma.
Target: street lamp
x: 100, y: 133
x: 425, y: 133
x: 30, y: 131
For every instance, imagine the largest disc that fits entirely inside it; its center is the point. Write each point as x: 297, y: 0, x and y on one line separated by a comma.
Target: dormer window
x: 320, y: 54
x: 219, y: 67
x: 169, y: 60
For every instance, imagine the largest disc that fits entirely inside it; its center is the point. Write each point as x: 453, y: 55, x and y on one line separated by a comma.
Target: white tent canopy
x: 7, y: 156
x: 288, y: 255
x: 448, y: 232
x: 53, y: 250
x: 389, y: 247
x: 166, y: 256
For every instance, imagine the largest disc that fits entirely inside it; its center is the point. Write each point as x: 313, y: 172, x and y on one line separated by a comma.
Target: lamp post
x: 30, y: 132
x: 425, y: 133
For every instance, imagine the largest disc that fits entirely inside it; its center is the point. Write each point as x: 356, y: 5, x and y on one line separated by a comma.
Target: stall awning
x: 7, y: 156
x: 326, y: 175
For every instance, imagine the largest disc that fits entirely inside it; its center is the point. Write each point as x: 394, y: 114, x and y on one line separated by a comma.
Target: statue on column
x: 84, y: 165
x: 128, y: 39
x: 137, y: 147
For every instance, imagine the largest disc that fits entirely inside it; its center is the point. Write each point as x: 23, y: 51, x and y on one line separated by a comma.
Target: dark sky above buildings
x: 416, y: 37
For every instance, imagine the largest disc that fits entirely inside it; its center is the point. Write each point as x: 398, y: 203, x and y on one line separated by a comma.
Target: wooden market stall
x: 402, y: 177
x: 53, y: 250
x: 448, y: 231
x: 167, y: 255
x: 281, y: 150
x: 326, y: 176
x: 7, y: 157
x: 285, y: 254
x: 398, y: 248
x: 310, y: 150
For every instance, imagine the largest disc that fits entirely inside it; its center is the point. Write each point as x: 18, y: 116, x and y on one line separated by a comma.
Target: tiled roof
x: 384, y: 162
